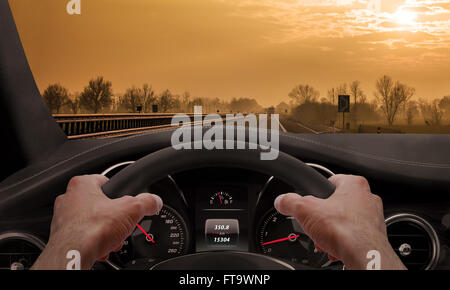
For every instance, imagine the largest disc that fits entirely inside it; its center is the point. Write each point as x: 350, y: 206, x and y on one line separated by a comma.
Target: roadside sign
x: 344, y: 104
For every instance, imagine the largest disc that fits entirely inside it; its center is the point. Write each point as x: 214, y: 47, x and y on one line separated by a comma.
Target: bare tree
x: 97, y: 95
x: 139, y: 97
x: 363, y: 99
x: 356, y: 91
x: 304, y: 94
x: 74, y: 103
x: 56, y: 96
x: 282, y: 108
x: 431, y: 112
x: 444, y: 105
x: 245, y: 105
x: 132, y: 99
x: 412, y: 110
x: 148, y: 97
x: 342, y: 89
x: 185, y: 101
x: 167, y: 101
x: 391, y: 95
x: 332, y: 95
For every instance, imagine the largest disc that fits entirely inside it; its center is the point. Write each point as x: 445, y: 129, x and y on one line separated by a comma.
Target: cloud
x: 299, y: 20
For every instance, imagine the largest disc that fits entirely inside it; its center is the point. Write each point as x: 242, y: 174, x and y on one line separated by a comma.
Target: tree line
x: 392, y: 100
x: 97, y: 97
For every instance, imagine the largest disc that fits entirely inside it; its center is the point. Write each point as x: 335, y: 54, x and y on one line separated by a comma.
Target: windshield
x: 325, y: 66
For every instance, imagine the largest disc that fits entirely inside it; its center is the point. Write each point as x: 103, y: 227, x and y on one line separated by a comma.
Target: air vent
x: 414, y: 240
x: 19, y: 251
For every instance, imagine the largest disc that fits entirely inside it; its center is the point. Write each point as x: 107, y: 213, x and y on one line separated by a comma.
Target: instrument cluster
x: 216, y: 209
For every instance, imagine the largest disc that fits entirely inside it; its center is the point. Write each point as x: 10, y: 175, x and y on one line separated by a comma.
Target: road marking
x: 281, y: 125
x: 307, y: 128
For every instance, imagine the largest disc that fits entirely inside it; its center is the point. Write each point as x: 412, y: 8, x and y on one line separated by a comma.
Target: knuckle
x: 135, y: 205
x: 378, y: 200
x: 361, y: 181
x: 58, y: 200
x: 74, y: 181
x: 308, y: 198
x: 127, y: 199
x: 336, y: 178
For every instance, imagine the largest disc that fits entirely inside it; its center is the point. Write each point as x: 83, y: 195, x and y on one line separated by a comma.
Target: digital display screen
x: 222, y: 232
x: 221, y: 218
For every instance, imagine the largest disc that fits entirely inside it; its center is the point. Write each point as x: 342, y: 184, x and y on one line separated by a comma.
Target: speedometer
x: 155, y: 238
x: 282, y: 237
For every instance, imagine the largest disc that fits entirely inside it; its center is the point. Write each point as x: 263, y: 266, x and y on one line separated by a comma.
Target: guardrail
x: 82, y: 126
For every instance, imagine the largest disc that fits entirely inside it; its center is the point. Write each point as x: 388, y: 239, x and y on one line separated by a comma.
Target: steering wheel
x: 158, y: 165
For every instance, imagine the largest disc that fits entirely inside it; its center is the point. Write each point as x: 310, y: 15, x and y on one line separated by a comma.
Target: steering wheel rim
x: 158, y: 165
x: 168, y: 161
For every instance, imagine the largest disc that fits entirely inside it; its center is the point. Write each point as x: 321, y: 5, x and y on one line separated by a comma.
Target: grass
x: 372, y: 128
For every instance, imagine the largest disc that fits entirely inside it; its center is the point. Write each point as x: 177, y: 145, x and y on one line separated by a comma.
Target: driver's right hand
x: 348, y: 225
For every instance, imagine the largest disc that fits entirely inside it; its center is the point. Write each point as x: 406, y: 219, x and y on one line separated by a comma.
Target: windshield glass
x: 325, y: 66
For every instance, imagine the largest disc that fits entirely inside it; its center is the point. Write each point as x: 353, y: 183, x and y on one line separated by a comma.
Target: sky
x: 238, y: 48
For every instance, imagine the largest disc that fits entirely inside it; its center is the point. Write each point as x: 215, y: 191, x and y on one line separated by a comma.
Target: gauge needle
x: 145, y: 233
x: 281, y: 240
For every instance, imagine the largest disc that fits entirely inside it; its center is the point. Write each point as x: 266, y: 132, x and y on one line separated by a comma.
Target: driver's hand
x: 347, y: 225
x: 87, y: 221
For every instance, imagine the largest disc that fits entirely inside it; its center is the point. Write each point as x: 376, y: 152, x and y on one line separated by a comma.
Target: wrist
x: 55, y: 254
x: 358, y: 258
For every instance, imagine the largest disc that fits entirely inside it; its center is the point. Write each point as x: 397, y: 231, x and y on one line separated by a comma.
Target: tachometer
x: 156, y: 238
x: 282, y: 237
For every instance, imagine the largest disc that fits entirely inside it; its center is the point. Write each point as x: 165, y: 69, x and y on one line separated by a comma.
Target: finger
x: 297, y: 206
x: 349, y: 183
x: 87, y: 184
x: 337, y: 179
x: 144, y: 204
x: 151, y: 204
x: 58, y: 201
x: 378, y: 202
x: 286, y: 204
x: 98, y: 180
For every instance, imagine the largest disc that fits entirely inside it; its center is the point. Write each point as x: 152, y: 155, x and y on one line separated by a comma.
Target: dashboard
x: 226, y: 210
x: 217, y: 209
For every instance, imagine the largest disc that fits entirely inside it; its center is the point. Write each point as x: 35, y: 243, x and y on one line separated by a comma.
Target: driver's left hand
x: 87, y: 221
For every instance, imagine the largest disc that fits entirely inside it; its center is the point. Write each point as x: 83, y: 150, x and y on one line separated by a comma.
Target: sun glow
x: 404, y: 17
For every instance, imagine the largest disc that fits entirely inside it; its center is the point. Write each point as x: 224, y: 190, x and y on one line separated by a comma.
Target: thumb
x: 151, y: 204
x: 295, y: 205
x: 144, y: 204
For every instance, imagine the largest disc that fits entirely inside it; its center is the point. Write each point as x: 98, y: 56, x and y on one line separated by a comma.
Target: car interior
x: 218, y: 209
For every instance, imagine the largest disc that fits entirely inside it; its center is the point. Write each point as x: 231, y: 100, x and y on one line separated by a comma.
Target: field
x: 298, y: 127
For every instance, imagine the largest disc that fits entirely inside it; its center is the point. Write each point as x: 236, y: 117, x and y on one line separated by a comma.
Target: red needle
x: 280, y: 240
x: 220, y: 198
x: 145, y: 233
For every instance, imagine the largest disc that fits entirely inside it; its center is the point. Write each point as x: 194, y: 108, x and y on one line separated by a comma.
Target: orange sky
x: 238, y: 48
